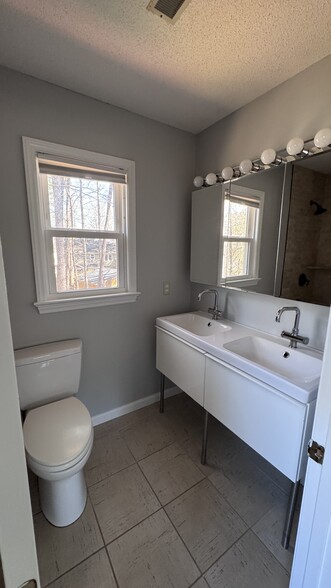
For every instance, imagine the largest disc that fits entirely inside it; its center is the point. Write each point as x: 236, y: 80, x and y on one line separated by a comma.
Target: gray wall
x: 300, y: 106
x: 119, y: 341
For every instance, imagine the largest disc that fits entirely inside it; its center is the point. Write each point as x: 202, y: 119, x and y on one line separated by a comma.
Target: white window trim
x: 47, y: 302
x: 243, y: 281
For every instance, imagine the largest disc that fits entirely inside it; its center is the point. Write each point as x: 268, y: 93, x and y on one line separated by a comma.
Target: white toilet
x: 58, y: 431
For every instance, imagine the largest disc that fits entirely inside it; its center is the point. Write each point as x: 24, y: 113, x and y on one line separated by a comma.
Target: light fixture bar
x: 296, y: 148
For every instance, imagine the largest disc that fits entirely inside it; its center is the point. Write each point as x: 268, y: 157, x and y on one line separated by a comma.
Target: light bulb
x: 211, y: 179
x: 227, y: 173
x: 268, y: 156
x: 246, y: 166
x: 323, y: 138
x: 198, y: 182
x: 295, y: 146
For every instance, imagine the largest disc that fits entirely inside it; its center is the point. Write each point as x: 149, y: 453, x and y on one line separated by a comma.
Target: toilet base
x: 63, y: 501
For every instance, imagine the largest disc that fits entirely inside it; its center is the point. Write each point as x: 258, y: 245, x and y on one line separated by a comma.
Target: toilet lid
x: 56, y: 433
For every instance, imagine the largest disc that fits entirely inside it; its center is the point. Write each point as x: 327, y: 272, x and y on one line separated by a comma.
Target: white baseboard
x: 98, y: 419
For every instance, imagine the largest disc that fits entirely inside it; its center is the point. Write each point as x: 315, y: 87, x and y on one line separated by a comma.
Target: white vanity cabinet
x: 182, y: 363
x: 269, y: 404
x: 276, y: 424
x: 269, y: 421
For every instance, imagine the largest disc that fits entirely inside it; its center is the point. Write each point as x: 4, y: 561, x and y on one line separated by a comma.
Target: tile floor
x: 156, y: 517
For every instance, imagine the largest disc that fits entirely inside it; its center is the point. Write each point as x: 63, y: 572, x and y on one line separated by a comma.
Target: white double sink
x: 295, y: 372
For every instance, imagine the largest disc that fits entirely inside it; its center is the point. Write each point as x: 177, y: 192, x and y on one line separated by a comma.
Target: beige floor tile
x: 177, y: 400
x: 183, y: 422
x: 60, y: 549
x: 222, y: 447
x: 147, y: 436
x: 248, y: 564
x: 182, y: 402
x: 206, y: 523
x: 110, y: 454
x: 201, y: 583
x: 125, y: 421
x: 152, y: 555
x: 270, y: 530
x: 249, y: 491
x: 170, y: 472
x: 94, y: 572
x: 276, y: 476
x: 122, y: 501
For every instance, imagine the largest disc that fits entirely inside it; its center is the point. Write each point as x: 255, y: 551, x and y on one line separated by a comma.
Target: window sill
x: 64, y: 304
x: 242, y: 283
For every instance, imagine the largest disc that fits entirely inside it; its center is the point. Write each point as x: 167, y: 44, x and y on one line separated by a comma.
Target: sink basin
x: 199, y: 324
x: 293, y: 364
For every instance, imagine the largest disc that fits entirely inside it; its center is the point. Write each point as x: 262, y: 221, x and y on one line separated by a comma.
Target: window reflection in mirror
x: 269, y: 184
x: 241, y: 235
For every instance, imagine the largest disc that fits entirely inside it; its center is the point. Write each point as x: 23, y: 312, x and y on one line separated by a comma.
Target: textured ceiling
x: 218, y: 56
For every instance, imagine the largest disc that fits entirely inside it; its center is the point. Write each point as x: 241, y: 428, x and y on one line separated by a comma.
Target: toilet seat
x: 55, y: 474
x: 57, y: 436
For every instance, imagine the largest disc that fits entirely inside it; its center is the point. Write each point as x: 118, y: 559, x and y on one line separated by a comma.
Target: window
x: 82, y: 217
x: 241, y: 236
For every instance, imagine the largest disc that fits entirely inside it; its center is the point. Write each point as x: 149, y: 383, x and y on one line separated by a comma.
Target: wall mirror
x: 295, y: 246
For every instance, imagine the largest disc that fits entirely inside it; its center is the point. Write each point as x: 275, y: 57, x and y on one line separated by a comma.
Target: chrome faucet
x: 215, y: 312
x: 293, y: 336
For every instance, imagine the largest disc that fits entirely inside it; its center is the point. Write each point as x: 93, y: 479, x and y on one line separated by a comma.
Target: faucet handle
x: 295, y: 338
x: 217, y: 314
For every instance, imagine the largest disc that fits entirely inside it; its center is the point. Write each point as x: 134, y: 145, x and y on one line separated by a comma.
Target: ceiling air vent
x: 170, y: 10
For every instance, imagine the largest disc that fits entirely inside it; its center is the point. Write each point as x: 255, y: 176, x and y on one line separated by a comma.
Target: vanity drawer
x: 270, y: 422
x: 182, y: 363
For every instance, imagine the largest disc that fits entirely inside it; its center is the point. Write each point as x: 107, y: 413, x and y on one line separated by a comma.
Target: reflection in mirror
x: 262, y: 240
x: 241, y: 235
x: 307, y: 263
x: 267, y: 232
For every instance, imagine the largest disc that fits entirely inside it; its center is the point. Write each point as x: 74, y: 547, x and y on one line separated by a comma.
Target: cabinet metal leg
x: 290, y: 514
x: 162, y: 393
x: 205, y: 439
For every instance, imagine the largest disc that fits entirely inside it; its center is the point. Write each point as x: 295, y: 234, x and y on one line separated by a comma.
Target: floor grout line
x: 49, y: 584
x: 112, y: 567
x: 183, y: 542
x: 133, y: 527
x: 274, y: 556
x: 226, y: 551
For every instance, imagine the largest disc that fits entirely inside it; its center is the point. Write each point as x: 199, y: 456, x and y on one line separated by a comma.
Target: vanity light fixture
x: 322, y: 139
x: 211, y: 179
x: 296, y: 146
x: 270, y: 157
x: 247, y: 166
x: 227, y: 173
x: 198, y: 181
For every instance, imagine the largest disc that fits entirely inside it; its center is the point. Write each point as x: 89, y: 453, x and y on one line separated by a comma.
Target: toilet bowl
x: 58, y: 435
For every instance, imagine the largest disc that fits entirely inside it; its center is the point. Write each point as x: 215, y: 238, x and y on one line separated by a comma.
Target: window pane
x: 81, y: 204
x: 83, y: 264
x: 235, y: 259
x: 236, y: 219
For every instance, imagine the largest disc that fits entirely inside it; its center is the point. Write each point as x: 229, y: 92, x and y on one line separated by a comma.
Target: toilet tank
x: 48, y: 372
